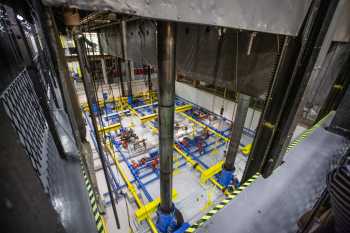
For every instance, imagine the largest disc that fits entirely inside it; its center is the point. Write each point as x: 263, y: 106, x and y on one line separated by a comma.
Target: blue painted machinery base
x: 226, y: 177
x: 170, y: 222
x: 130, y: 100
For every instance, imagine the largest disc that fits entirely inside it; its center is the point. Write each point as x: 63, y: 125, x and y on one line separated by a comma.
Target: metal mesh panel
x: 49, y: 149
x: 22, y: 107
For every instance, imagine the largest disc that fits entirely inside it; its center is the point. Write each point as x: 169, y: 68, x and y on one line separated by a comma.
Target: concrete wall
x: 213, y: 103
x: 138, y: 86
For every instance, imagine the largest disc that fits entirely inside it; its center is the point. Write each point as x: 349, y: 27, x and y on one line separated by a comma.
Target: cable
x: 236, y: 67
x: 253, y: 113
x: 217, y: 64
x: 128, y: 212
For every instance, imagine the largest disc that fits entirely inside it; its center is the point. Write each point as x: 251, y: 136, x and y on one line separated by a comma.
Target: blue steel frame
x: 145, y: 110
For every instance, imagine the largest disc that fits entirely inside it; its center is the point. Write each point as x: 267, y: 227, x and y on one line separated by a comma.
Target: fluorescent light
x: 20, y: 17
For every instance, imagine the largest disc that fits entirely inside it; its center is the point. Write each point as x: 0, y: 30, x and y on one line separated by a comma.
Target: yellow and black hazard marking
x: 305, y: 134
x: 98, y: 218
x: 221, y: 204
x: 300, y: 138
x: 231, y: 196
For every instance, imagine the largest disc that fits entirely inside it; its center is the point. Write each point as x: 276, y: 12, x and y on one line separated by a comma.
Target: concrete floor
x: 193, y: 202
x: 194, y: 199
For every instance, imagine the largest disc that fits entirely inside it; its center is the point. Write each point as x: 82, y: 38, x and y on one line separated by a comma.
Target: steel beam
x: 166, y: 76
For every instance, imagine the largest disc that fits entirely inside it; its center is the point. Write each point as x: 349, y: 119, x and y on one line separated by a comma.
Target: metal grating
x: 22, y: 107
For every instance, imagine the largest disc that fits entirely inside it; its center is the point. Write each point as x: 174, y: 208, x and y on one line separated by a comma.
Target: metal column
x: 125, y: 56
x: 166, y: 69
x: 237, y: 129
x: 149, y: 78
x: 104, y: 73
x: 93, y: 104
x: 103, y: 62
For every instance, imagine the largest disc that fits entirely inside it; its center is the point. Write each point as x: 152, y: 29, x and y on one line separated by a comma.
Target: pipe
x: 106, y: 25
x: 237, y: 130
x: 124, y: 41
x: 93, y: 103
x: 250, y: 45
x: 125, y: 55
x: 149, y: 78
x: 166, y: 68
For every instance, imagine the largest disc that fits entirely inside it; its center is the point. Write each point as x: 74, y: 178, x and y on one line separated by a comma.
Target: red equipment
x: 134, y: 164
x: 125, y: 144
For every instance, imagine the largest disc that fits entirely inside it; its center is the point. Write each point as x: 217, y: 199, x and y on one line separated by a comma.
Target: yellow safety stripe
x: 232, y: 195
x: 100, y: 225
x: 221, y: 205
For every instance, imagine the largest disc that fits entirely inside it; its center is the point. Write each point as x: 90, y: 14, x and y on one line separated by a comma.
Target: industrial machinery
x: 175, y: 116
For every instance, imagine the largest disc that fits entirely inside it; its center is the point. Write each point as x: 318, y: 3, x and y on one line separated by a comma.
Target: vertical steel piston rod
x: 166, y: 76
